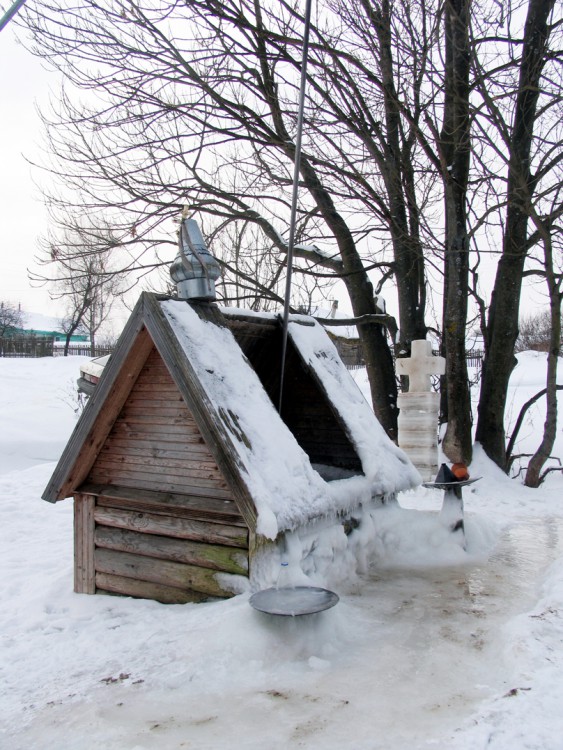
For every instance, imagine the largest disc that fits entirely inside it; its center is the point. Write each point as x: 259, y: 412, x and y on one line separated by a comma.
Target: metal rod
x: 10, y: 13
x: 296, y: 172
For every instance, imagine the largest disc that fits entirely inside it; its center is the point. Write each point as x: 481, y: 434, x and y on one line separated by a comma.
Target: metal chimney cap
x: 194, y: 269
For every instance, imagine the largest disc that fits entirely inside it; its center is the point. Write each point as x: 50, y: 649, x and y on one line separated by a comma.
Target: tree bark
x: 379, y: 360
x: 396, y: 172
x: 533, y: 472
x: 455, y: 152
x: 502, y: 326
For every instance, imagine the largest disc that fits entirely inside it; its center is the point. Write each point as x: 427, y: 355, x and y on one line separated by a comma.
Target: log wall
x: 154, y: 555
x: 155, y: 517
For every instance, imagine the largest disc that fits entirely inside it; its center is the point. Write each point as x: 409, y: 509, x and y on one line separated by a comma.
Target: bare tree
x: 81, y: 275
x: 531, y: 100
x: 195, y: 105
x: 553, y: 281
x: 454, y: 149
x: 11, y: 318
x: 236, y: 107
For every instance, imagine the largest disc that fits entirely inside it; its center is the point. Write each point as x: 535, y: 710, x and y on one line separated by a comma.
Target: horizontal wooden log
x: 213, y: 556
x: 159, y: 456
x: 180, y: 505
x: 167, y: 401
x: 159, y: 376
x: 160, y: 483
x: 153, y: 411
x: 177, y: 444
x: 163, y: 572
x: 157, y: 418
x: 155, y: 364
x: 110, y: 584
x: 188, y: 463
x: 155, y: 430
x: 145, y: 399
x: 168, y: 467
x: 166, y: 525
x: 154, y: 383
x: 156, y: 378
x: 190, y: 511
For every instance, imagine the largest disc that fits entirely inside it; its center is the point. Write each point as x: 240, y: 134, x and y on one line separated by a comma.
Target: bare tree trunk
x: 455, y: 150
x: 533, y: 473
x: 379, y: 361
x: 502, y: 328
x: 396, y: 172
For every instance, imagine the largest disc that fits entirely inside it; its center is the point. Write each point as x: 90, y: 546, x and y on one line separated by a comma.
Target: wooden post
x: 84, y: 573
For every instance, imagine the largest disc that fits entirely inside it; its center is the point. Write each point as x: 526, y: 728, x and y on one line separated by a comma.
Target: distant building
x: 44, y: 326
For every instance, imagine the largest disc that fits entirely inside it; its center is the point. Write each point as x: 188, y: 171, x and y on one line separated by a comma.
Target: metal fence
x: 83, y: 349
x: 350, y: 350
x: 26, y: 346
x: 351, y: 353
x: 46, y: 346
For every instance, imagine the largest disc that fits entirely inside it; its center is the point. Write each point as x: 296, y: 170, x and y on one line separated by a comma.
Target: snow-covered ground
x: 431, y: 648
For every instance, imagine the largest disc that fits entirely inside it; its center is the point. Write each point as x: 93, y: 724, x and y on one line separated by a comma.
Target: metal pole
x: 296, y: 171
x: 10, y: 13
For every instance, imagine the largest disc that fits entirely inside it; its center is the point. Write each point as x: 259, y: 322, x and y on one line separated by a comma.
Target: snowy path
x: 402, y: 662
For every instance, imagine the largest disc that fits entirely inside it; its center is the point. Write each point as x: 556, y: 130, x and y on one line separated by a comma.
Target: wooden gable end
x: 156, y: 446
x: 219, y: 430
x: 101, y: 410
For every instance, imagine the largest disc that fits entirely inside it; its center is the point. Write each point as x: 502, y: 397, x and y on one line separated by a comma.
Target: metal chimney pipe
x: 194, y: 269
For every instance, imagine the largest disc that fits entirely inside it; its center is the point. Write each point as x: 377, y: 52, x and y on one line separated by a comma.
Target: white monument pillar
x: 418, y: 416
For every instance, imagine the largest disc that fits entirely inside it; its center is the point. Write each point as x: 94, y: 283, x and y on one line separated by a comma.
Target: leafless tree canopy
x: 11, y: 317
x: 82, y: 275
x: 432, y: 134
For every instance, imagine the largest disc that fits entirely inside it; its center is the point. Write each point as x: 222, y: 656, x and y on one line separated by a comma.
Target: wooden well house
x: 182, y: 471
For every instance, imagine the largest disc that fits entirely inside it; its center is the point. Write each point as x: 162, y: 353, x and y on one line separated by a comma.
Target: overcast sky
x: 23, y: 84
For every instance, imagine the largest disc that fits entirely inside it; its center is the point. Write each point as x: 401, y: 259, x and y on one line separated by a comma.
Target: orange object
x: 459, y: 470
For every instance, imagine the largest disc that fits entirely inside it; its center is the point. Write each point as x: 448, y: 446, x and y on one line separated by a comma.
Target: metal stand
x: 451, y: 514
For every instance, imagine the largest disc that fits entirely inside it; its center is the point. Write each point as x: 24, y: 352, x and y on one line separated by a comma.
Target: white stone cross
x: 420, y: 366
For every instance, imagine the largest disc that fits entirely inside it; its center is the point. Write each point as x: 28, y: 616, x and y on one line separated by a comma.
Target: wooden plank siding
x: 197, y: 507
x: 165, y: 572
x: 151, y: 444
x: 161, y: 521
x: 218, y: 431
x: 167, y: 525
x: 106, y: 583
x: 171, y: 560
x: 213, y: 556
x: 84, y: 544
x: 101, y: 410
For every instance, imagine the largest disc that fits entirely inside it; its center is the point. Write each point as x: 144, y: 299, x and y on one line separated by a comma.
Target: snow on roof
x: 383, y: 462
x: 324, y: 315
x: 286, y: 490
x: 40, y: 322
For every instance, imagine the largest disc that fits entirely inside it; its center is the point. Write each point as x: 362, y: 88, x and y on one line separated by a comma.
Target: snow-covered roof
x: 239, y: 419
x: 286, y: 489
x: 39, y: 322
